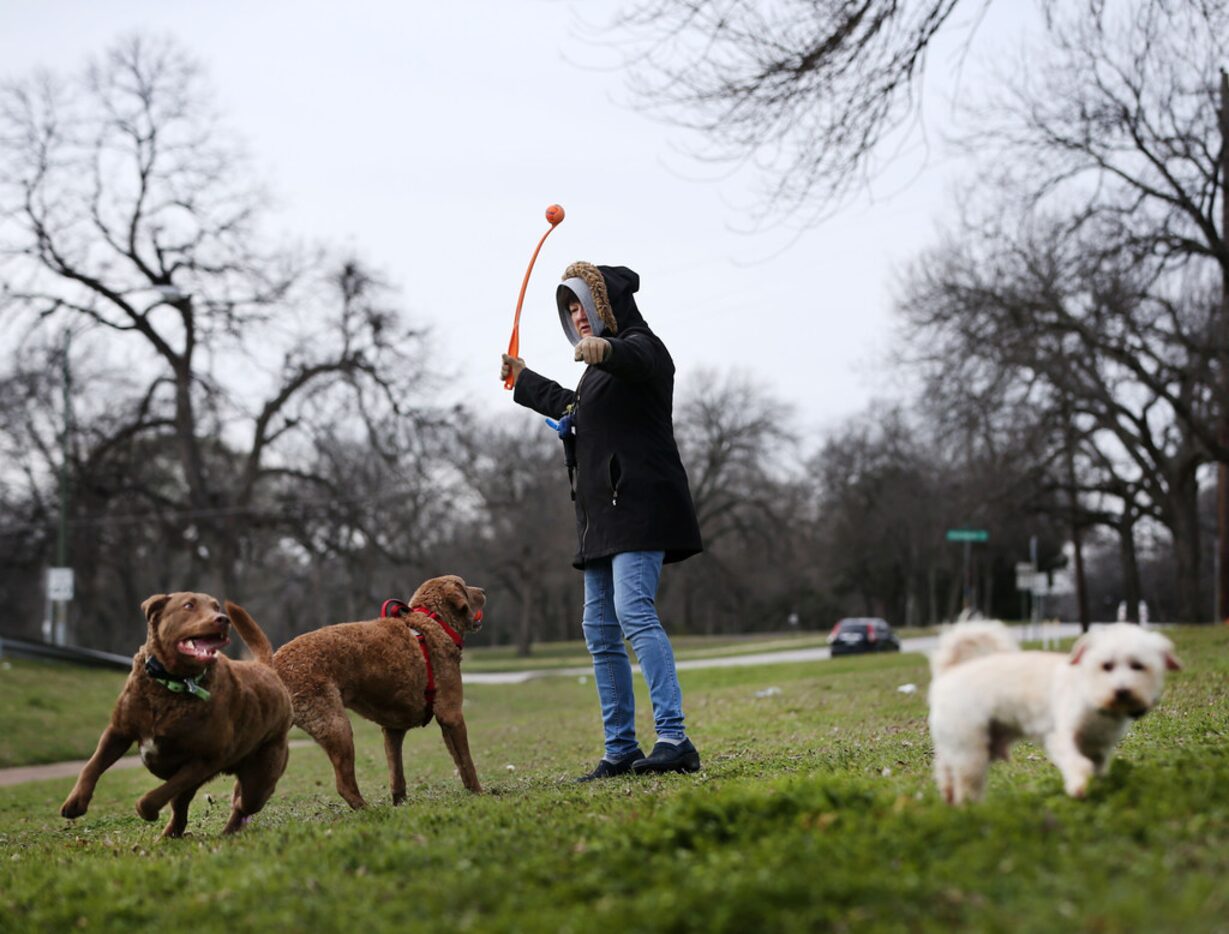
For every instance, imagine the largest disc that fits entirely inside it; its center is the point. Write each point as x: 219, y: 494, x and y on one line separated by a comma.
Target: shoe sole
x: 686, y: 766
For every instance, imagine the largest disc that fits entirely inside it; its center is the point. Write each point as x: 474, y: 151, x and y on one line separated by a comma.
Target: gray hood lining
x: 578, y: 287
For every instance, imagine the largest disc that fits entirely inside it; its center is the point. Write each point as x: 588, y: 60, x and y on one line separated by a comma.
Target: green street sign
x: 968, y: 535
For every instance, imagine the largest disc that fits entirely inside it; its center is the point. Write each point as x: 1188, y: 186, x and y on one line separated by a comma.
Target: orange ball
x: 554, y: 214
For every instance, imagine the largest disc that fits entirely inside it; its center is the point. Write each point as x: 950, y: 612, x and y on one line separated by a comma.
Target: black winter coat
x: 630, y: 486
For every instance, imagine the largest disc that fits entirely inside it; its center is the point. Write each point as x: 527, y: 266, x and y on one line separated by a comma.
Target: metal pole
x: 60, y: 626
x: 968, y: 575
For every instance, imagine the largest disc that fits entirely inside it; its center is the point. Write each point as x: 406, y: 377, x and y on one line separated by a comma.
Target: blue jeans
x: 620, y: 595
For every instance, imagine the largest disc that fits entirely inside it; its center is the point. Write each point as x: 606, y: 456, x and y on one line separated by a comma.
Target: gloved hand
x: 592, y: 350
x: 512, y: 365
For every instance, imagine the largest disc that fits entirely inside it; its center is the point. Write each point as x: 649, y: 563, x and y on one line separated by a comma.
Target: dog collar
x: 176, y: 685
x: 457, y: 639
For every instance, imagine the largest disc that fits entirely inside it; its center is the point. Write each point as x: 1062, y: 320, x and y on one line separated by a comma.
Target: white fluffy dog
x: 985, y: 694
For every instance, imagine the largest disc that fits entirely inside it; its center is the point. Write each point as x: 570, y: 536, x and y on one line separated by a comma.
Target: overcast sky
x: 430, y: 137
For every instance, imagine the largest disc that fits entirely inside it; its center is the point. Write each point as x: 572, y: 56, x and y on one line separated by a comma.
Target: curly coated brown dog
x: 382, y: 669
x: 196, y: 713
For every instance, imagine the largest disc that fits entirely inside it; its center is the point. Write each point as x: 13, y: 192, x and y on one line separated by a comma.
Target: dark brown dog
x: 377, y: 669
x: 196, y: 713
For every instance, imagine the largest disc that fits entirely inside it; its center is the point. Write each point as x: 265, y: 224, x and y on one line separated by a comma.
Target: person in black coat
x: 633, y: 506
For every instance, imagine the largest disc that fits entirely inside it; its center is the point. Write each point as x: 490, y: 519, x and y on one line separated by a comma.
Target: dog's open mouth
x: 476, y: 622
x: 203, y: 648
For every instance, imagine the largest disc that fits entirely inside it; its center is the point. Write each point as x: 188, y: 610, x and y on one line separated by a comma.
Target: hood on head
x: 605, y: 292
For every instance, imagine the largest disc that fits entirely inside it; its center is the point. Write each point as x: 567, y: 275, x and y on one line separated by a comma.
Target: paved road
x: 922, y: 644
x: 30, y: 773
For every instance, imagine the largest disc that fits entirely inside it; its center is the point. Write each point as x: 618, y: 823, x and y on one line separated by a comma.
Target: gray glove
x: 592, y: 350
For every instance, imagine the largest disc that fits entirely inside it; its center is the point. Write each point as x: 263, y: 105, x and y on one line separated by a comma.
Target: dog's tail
x: 252, y: 634
x: 965, y: 641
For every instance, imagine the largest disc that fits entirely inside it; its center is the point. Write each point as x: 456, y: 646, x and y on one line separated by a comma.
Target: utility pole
x: 63, y: 596
x: 1222, y: 468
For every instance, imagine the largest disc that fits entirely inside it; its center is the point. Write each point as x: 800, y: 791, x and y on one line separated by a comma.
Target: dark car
x: 862, y: 634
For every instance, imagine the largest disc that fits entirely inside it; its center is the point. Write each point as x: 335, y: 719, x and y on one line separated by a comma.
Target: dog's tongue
x: 203, y: 648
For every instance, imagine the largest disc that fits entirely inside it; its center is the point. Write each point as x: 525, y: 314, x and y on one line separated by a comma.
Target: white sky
x: 430, y: 137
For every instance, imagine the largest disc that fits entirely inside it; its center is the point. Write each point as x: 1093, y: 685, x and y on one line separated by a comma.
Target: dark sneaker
x: 608, y: 769
x: 667, y: 757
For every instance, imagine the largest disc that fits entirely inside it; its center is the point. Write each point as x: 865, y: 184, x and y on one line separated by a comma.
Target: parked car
x: 862, y: 634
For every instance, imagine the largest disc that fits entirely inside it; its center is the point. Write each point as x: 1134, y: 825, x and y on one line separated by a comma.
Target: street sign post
x: 59, y: 583
x: 968, y: 536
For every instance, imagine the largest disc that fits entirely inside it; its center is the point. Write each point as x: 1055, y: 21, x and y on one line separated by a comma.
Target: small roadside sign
x: 968, y: 535
x: 1025, y: 572
x: 59, y: 583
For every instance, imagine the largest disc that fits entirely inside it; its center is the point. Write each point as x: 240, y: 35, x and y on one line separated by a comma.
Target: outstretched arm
x: 543, y: 395
x: 636, y: 357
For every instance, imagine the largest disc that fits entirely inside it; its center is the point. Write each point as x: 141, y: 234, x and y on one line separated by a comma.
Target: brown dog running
x: 196, y: 713
x: 379, y: 669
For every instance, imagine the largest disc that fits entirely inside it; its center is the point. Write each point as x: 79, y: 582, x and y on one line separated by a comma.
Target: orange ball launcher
x: 554, y: 215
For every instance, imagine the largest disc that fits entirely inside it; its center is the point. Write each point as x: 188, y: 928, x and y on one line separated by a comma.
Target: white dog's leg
x: 1077, y: 769
x: 945, y: 779
x: 961, y: 773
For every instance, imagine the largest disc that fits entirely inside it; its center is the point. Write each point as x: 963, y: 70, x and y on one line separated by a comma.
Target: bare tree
x: 123, y: 209
x: 1096, y: 349
x: 810, y: 91
x: 1124, y: 122
x: 735, y: 439
x: 524, y: 527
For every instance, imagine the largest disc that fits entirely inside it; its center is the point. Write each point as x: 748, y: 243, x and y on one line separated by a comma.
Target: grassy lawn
x: 51, y: 712
x: 815, y: 811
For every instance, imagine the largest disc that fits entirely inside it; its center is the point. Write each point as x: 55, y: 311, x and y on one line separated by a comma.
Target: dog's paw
x: 75, y: 806
x: 146, y: 809
x: 1078, y: 788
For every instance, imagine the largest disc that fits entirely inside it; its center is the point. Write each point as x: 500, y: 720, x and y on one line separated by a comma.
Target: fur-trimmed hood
x: 605, y: 292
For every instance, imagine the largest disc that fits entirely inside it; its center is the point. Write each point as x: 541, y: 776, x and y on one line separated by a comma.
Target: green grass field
x: 815, y: 811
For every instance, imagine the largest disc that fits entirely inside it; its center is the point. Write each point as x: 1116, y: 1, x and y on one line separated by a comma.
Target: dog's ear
x: 458, y: 599
x: 1080, y: 647
x: 153, y: 606
x: 1172, y: 662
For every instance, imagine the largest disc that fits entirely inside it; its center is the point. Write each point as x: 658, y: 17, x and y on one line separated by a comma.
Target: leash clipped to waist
x: 566, y: 429
x: 554, y: 215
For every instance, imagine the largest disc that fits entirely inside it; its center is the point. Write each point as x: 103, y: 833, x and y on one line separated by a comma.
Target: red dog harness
x: 399, y: 610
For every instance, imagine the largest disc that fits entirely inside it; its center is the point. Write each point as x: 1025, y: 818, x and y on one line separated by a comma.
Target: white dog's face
x: 1122, y: 668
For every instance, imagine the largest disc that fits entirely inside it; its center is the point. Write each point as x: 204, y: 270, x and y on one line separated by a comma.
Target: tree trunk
x: 1185, y: 531
x: 1130, y: 567
x: 524, y: 630
x: 1222, y: 468
x: 1081, y: 591
x: 987, y: 576
x: 932, y: 596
